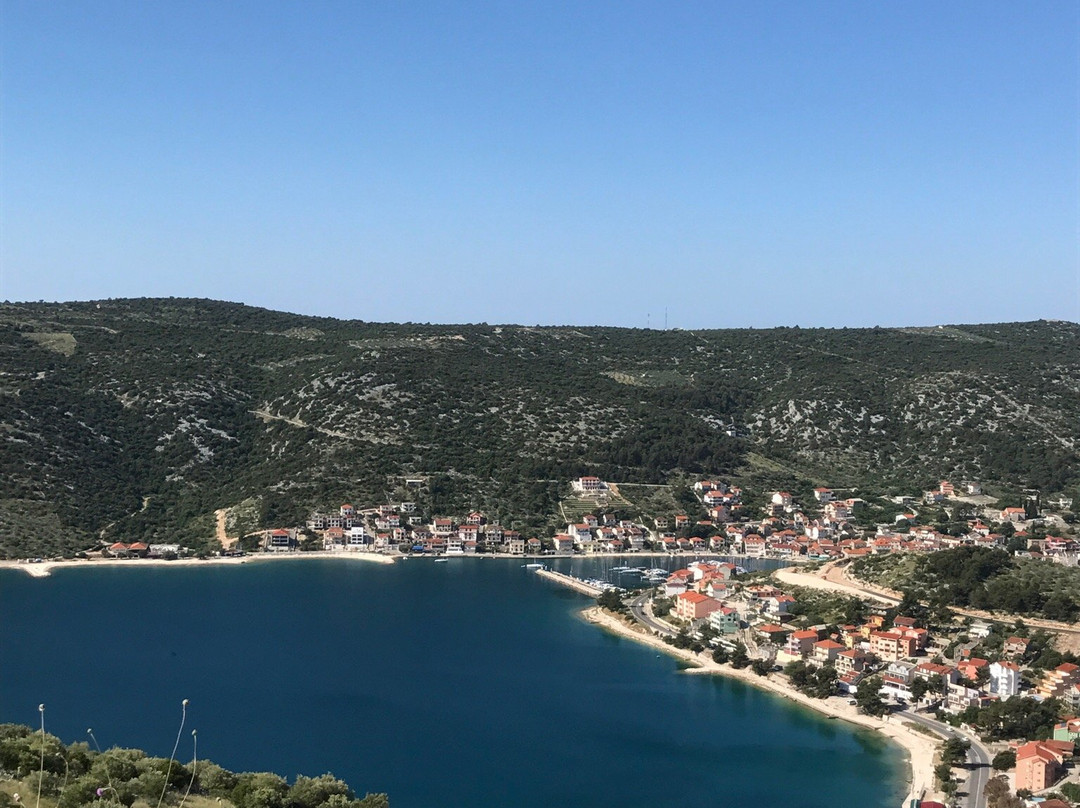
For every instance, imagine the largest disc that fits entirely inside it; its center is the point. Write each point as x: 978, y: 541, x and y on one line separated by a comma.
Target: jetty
x: 570, y: 582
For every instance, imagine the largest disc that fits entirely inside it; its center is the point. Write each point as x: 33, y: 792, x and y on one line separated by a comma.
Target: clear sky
x: 737, y: 164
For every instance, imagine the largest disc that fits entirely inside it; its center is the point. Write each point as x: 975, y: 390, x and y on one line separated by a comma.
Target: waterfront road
x: 978, y: 756
x: 637, y: 609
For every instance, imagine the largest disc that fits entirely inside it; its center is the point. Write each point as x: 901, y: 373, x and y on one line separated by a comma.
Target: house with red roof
x: 280, y: 540
x: 563, y: 543
x: 1068, y: 730
x: 589, y: 484
x: 725, y: 620
x: 1040, y: 763
x: 851, y: 660
x: 1013, y: 515
x: 801, y: 643
x: 777, y: 606
x: 826, y: 651
x: 694, y: 605
x: 1057, y: 682
x: 773, y: 632
x: 891, y: 646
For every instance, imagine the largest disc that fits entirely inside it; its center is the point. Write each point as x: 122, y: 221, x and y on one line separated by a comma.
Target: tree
x: 943, y: 773
x: 798, y: 673
x: 954, y: 751
x: 611, y: 599
x: 761, y: 667
x: 939, y: 608
x: 824, y: 682
x: 739, y: 658
x: 919, y: 688
x: 1005, y: 760
x: 720, y: 655
x: 1071, y: 792
x: 662, y: 606
x: 868, y: 697
x: 312, y: 792
x: 909, y: 605
x: 372, y: 801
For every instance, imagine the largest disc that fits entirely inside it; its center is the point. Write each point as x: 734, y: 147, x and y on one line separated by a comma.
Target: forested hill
x: 144, y: 416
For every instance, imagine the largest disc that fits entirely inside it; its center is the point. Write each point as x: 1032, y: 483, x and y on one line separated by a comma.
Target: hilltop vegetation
x: 76, y: 775
x: 981, y: 578
x: 137, y: 419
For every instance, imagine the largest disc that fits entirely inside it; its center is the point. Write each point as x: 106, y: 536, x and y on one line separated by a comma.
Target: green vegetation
x: 953, y: 753
x: 739, y: 658
x: 1016, y: 717
x: 999, y: 795
x: 661, y: 606
x: 76, y: 775
x: 1004, y: 760
x: 1070, y: 791
x: 190, y: 406
x: 980, y: 578
x: 612, y: 600
x: 820, y: 683
x: 761, y: 667
x: 816, y: 607
x: 868, y: 697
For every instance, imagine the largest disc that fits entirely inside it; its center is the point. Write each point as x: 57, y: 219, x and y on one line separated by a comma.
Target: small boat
x: 441, y: 560
x: 532, y: 566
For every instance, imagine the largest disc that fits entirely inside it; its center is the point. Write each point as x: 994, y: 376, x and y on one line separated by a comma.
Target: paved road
x: 637, y: 609
x: 978, y: 756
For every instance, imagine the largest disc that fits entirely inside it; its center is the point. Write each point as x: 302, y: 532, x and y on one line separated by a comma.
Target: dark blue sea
x: 469, y: 683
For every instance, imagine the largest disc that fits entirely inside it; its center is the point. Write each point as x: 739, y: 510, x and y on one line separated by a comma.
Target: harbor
x: 593, y: 590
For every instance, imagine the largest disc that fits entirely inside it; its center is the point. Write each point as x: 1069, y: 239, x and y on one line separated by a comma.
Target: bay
x: 469, y: 683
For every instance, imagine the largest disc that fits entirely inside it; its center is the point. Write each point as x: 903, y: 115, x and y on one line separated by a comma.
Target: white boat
x: 533, y: 566
x: 441, y: 560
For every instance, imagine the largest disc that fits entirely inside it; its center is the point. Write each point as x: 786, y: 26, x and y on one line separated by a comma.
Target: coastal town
x: 949, y: 677
x: 942, y: 674
x: 800, y: 624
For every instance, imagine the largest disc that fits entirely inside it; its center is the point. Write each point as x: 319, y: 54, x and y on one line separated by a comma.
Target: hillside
x: 40, y: 769
x: 140, y: 418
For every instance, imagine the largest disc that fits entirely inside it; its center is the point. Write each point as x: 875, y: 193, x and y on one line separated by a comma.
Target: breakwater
x: 570, y: 582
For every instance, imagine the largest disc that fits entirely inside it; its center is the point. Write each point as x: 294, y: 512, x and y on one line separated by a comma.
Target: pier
x: 570, y: 582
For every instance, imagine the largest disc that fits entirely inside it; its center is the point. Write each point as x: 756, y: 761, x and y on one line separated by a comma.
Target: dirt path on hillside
x: 219, y: 532
x: 269, y: 416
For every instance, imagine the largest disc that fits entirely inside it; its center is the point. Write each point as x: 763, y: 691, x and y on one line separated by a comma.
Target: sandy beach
x: 920, y: 748
x: 43, y: 569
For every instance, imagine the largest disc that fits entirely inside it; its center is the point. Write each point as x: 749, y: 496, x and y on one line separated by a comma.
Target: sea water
x: 468, y: 683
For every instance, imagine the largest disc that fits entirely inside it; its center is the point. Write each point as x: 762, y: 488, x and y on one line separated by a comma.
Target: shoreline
x: 43, y: 569
x: 919, y: 748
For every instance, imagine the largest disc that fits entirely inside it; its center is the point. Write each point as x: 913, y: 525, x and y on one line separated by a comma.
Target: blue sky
x: 737, y: 164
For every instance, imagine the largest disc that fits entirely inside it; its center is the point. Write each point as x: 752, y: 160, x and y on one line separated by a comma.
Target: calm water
x: 470, y: 683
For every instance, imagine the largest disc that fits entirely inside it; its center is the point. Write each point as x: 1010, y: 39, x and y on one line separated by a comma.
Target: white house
x: 782, y: 499
x: 1004, y: 679
x: 357, y: 538
x: 589, y: 484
